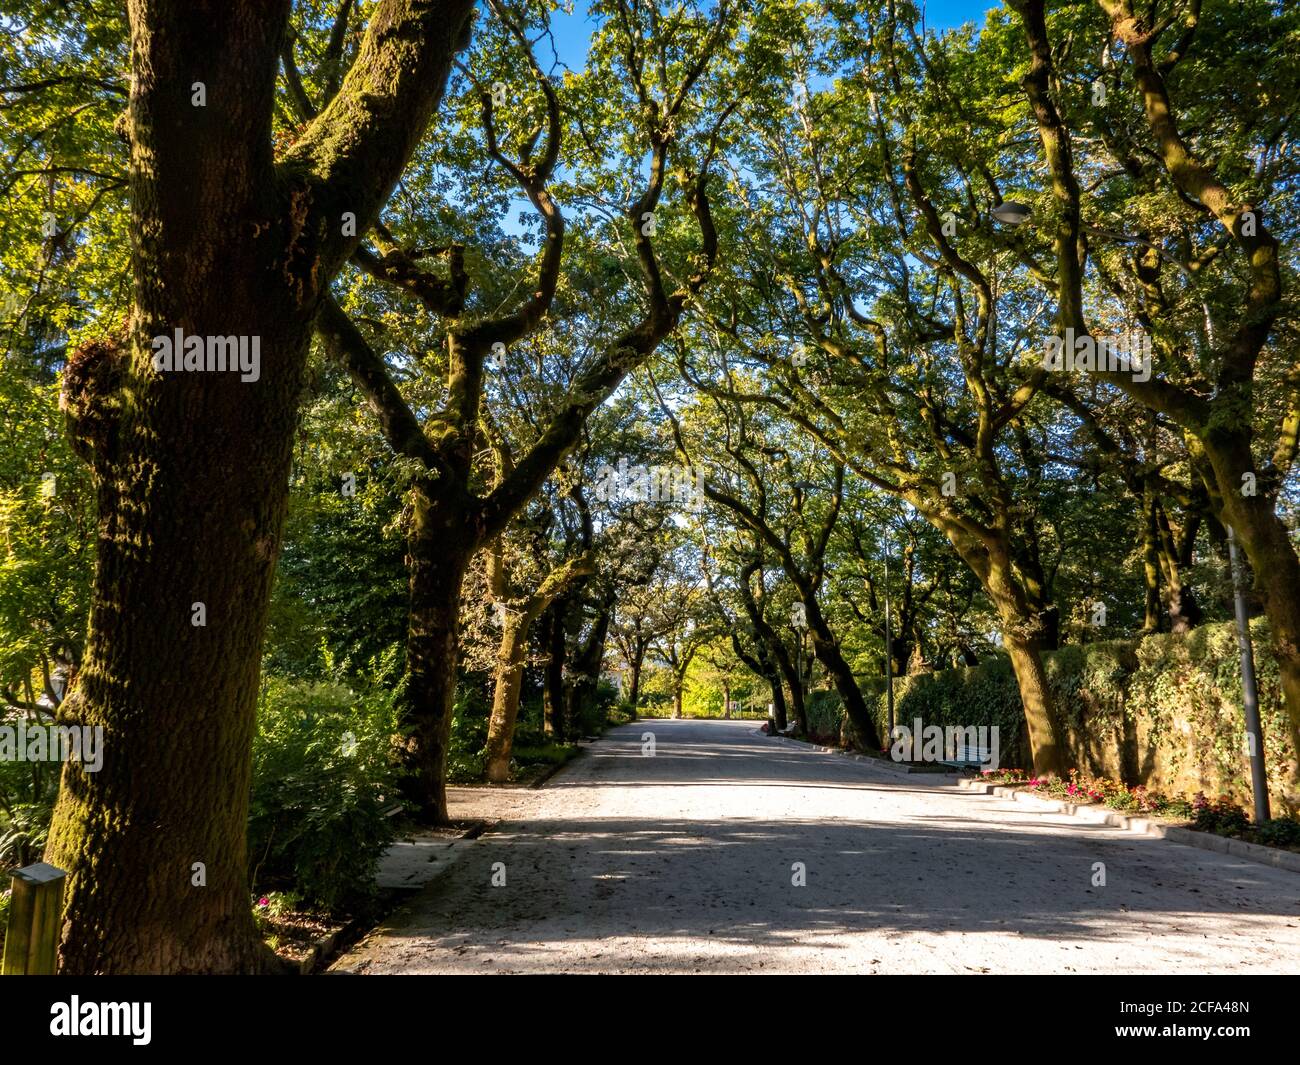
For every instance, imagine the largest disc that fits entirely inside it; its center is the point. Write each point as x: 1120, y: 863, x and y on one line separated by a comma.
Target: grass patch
x: 545, y: 754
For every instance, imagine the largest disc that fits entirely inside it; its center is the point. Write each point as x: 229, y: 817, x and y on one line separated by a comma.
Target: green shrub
x: 543, y: 754
x: 985, y: 694
x: 466, y: 761
x: 1279, y: 832
x: 27, y: 794
x: 23, y: 832
x: 323, y: 775
x: 592, y: 717
x: 825, y: 711
x: 1219, y: 815
x: 531, y: 745
x: 1122, y: 800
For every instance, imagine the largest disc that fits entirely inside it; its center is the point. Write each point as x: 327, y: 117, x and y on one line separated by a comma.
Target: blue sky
x: 945, y: 14
x: 573, y: 31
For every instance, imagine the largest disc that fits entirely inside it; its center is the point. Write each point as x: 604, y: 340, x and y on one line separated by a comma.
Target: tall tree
x: 191, y: 468
x: 662, y: 61
x: 513, y: 563
x: 1238, y: 413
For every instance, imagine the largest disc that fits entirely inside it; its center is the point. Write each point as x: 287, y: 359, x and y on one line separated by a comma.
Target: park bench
x: 965, y: 757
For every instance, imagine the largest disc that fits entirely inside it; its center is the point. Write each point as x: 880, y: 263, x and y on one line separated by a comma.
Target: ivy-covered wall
x: 1164, y: 711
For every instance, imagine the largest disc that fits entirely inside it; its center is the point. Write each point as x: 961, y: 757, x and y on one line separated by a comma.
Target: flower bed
x: 1220, y: 815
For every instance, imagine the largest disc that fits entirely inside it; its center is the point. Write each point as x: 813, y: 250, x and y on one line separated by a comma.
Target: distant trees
x: 884, y: 312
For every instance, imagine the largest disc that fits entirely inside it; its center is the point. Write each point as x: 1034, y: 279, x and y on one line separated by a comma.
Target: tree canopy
x: 664, y: 343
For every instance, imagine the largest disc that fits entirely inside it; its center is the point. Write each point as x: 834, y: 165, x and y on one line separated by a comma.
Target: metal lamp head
x: 1011, y: 213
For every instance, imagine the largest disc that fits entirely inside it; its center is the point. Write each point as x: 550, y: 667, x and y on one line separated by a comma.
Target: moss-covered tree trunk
x: 192, y: 465
x: 785, y: 670
x: 1039, y: 600
x: 553, y: 674
x: 505, y: 696
x: 587, y: 665
x: 1022, y: 644
x: 1175, y: 557
x: 440, y: 544
x: 517, y: 623
x: 1150, y: 566
x: 768, y: 671
x: 192, y: 488
x: 192, y: 475
x: 828, y: 654
x: 1036, y: 698
x: 773, y: 659
x: 989, y: 558
x: 780, y: 713
x: 901, y: 648
x: 636, y: 666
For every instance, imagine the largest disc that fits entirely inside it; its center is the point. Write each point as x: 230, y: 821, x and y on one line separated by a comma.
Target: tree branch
x: 355, y: 150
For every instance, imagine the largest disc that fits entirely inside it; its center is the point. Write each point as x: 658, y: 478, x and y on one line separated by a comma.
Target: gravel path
x: 684, y: 861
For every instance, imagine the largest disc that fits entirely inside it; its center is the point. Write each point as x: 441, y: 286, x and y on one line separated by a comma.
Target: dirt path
x: 684, y: 861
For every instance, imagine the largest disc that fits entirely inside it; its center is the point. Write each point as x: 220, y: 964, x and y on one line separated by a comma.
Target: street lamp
x: 1250, y: 694
x: 1011, y: 213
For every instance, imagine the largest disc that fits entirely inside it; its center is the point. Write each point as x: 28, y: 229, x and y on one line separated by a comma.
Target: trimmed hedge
x: 825, y: 713
x: 1163, y: 711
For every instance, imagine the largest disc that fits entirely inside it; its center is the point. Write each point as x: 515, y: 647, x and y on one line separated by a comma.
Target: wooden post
x: 35, y: 914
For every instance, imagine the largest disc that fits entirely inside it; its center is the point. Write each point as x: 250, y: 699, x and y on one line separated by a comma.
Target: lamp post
x: 1011, y: 213
x: 1250, y: 694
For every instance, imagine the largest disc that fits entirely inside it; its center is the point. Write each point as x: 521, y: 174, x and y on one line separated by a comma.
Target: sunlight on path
x: 687, y: 861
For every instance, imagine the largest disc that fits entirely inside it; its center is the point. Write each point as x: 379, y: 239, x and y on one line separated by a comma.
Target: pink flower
x: 264, y: 901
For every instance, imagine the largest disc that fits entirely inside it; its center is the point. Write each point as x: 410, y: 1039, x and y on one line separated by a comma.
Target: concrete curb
x: 1206, y: 841
x: 338, y: 943
x: 320, y: 950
